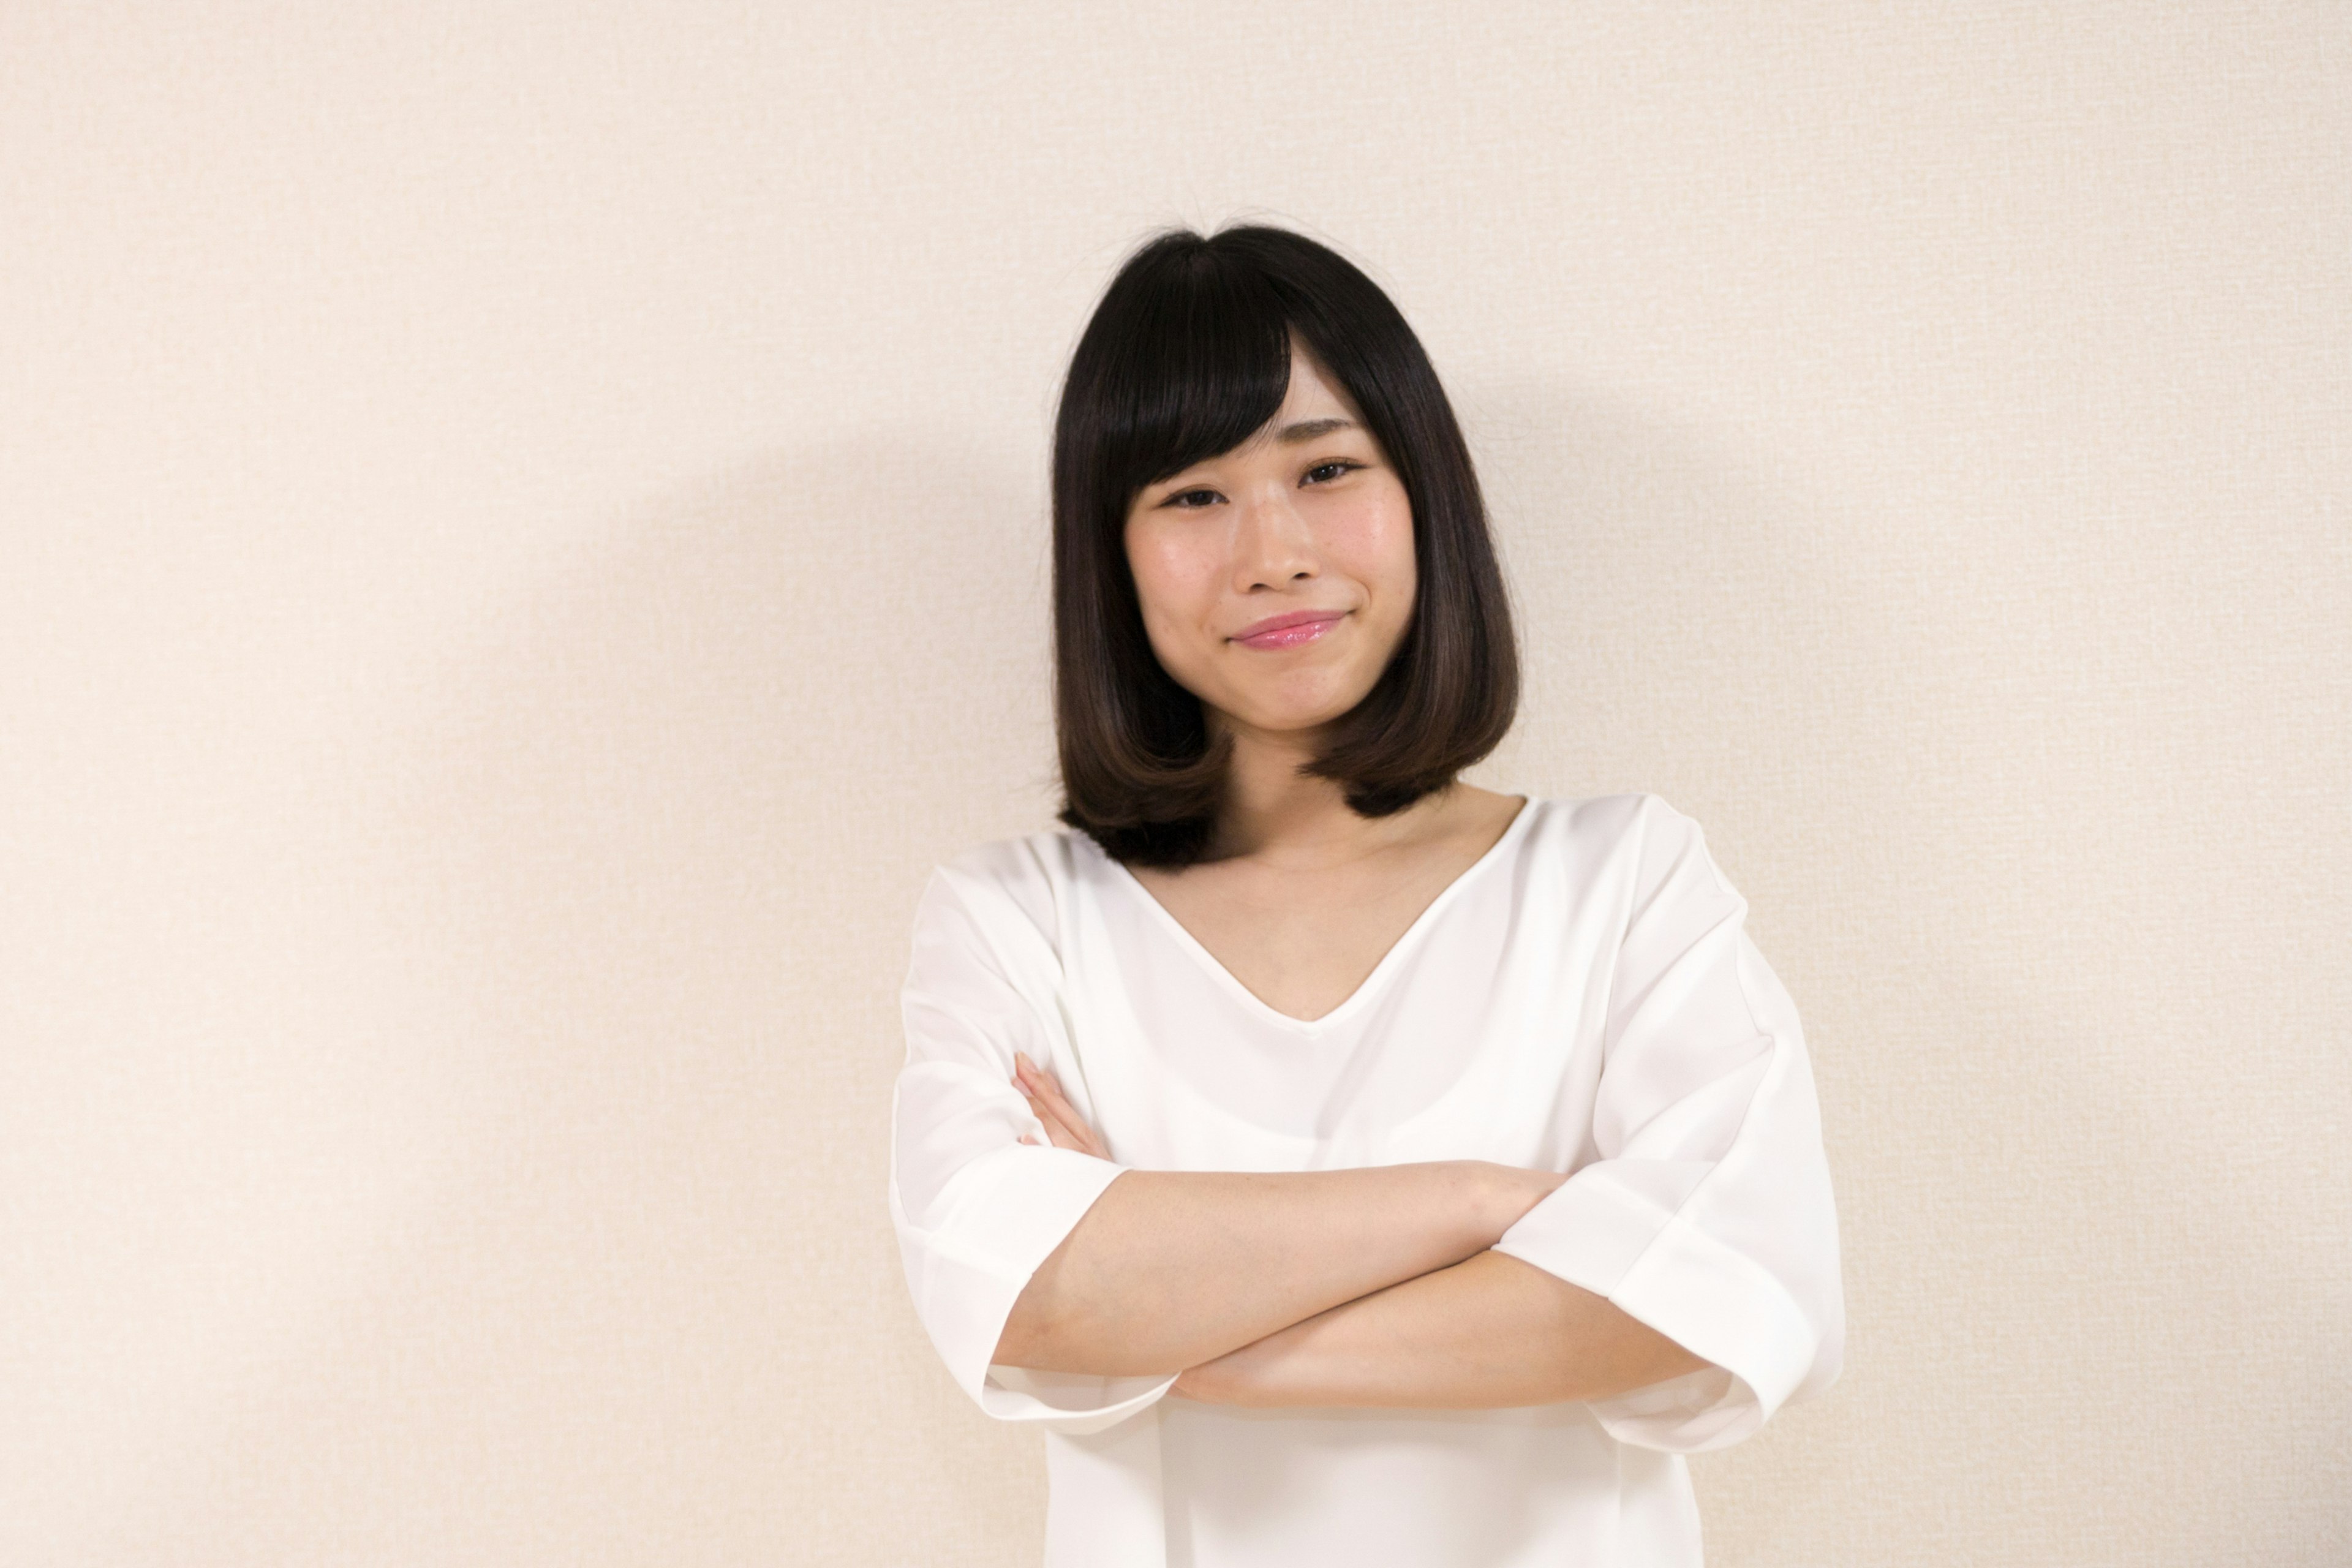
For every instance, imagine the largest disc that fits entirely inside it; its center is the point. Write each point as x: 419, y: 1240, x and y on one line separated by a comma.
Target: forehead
x: 1311, y: 387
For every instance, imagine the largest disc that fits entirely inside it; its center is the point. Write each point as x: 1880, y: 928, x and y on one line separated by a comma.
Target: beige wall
x: 524, y: 539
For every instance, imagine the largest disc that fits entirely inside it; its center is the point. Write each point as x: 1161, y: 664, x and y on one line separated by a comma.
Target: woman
x: 1339, y: 1163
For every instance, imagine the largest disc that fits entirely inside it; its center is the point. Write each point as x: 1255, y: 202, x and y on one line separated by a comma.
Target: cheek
x: 1169, y: 571
x: 1375, y: 540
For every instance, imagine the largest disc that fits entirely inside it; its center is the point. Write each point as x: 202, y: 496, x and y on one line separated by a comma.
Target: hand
x: 1064, y: 1125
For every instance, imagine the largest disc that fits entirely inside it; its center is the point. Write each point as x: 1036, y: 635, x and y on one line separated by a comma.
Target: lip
x: 1288, y: 629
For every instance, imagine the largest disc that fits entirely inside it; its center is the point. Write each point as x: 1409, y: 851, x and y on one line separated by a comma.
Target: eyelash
x: 1342, y: 464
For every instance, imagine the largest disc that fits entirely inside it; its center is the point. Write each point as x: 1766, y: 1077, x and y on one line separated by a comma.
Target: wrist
x: 1509, y: 1192
x: 1247, y: 1375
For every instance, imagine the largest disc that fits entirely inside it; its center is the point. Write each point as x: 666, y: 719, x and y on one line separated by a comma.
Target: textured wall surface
x: 524, y: 539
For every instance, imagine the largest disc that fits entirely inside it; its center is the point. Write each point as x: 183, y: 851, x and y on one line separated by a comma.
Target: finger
x: 1038, y: 1085
x: 1043, y: 1084
x: 1064, y: 1136
x: 1057, y: 1112
x: 1041, y: 1111
x: 1044, y: 1091
x: 1055, y: 1128
x: 1074, y: 1133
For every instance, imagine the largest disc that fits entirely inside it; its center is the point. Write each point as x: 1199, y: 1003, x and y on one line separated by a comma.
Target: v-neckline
x: 1252, y: 1000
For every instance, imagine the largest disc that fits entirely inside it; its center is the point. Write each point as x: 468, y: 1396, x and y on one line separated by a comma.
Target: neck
x: 1274, y: 814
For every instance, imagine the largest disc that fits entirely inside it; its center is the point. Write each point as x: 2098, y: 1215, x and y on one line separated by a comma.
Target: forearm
x: 1171, y: 1268
x: 1489, y: 1331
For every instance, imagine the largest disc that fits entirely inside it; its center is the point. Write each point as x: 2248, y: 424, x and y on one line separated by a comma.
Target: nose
x: 1271, y: 544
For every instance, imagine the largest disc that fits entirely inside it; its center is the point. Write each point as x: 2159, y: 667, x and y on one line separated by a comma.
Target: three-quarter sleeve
x: 1705, y: 1210
x: 975, y: 1209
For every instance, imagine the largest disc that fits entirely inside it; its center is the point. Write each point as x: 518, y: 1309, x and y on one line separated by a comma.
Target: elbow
x: 1042, y: 1335
x: 1643, y: 1358
x: 1031, y: 1338
x: 1021, y: 1345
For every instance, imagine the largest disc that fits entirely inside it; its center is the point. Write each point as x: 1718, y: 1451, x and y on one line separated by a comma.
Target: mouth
x: 1290, y: 630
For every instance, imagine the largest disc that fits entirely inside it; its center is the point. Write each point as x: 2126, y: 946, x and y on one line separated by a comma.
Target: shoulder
x: 1020, y: 882
x: 1611, y: 824
x: 1635, y: 841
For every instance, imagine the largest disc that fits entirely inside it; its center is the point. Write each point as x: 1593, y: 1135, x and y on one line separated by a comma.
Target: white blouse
x: 1584, y: 998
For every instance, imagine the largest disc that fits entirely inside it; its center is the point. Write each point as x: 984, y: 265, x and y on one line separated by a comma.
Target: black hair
x: 1186, y: 356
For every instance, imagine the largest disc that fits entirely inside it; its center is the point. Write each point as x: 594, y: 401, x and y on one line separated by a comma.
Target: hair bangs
x: 1201, y: 364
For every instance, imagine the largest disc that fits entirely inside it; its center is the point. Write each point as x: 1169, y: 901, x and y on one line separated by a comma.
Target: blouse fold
x: 1708, y: 1212
x: 976, y: 1210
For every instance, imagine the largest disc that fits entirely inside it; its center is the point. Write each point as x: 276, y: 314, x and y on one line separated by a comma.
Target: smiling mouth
x: 1292, y: 634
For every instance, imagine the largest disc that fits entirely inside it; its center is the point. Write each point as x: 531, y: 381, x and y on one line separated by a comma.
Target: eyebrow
x: 1303, y: 430
x: 1308, y: 429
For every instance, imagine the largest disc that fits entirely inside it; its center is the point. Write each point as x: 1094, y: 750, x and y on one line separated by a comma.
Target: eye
x: 1193, y: 500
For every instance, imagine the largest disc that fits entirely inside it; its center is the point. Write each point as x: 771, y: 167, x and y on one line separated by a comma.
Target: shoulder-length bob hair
x: 1187, y: 356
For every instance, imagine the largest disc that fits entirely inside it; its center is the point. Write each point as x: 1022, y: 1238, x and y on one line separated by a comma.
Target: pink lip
x: 1289, y: 630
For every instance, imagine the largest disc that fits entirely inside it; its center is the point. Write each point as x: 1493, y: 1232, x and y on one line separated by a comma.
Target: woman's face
x: 1304, y: 517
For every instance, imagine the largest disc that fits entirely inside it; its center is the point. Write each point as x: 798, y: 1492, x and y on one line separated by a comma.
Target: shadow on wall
x: 651, y: 848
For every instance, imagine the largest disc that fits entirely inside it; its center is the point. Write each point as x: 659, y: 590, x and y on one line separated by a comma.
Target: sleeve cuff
x: 1654, y: 1264
x: 1015, y: 1205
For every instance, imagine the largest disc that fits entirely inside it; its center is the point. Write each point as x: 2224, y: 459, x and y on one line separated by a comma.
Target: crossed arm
x: 1368, y: 1287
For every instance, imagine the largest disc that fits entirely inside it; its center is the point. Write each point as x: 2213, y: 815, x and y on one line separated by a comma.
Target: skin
x: 1369, y: 1286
